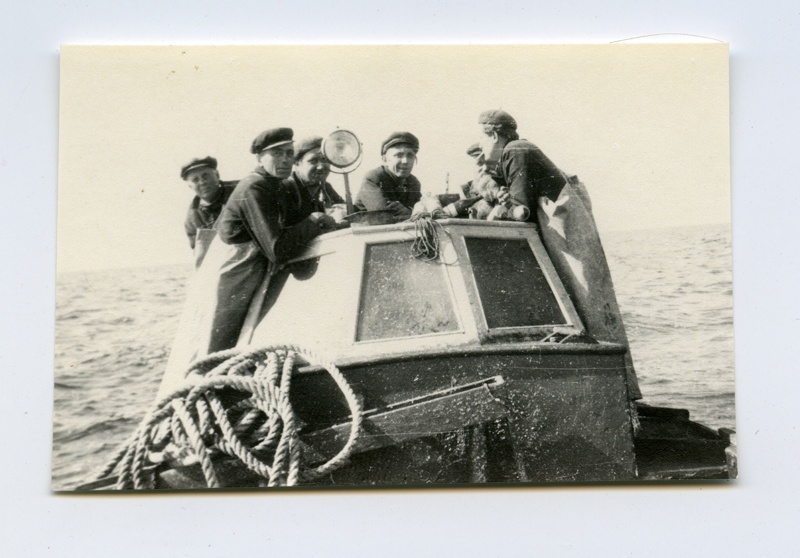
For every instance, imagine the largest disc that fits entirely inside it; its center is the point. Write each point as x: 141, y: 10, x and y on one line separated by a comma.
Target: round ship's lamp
x: 343, y: 151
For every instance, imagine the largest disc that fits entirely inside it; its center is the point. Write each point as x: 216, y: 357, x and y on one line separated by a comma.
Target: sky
x: 645, y: 126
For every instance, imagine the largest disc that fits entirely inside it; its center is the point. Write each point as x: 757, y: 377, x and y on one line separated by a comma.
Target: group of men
x: 273, y: 213
x: 307, y: 181
x: 508, y: 171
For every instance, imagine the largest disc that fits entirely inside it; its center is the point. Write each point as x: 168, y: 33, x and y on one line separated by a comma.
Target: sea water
x: 114, y: 329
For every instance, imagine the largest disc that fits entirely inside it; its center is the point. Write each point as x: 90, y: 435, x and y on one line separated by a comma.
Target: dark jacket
x: 201, y: 216
x: 528, y: 174
x: 323, y: 196
x: 266, y: 211
x: 380, y: 187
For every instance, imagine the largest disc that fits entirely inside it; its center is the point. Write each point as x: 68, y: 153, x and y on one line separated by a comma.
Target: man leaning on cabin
x: 516, y: 164
x: 311, y: 169
x: 529, y: 180
x: 211, y: 194
x: 261, y: 227
x: 392, y: 186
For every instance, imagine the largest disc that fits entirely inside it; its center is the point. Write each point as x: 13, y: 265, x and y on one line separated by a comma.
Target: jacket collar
x: 216, y: 201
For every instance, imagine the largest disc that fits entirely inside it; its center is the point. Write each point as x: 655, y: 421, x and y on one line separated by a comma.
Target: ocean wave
x: 673, y: 287
x: 103, y: 425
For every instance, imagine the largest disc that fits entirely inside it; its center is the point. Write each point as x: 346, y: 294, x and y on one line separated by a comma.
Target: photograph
x: 393, y: 266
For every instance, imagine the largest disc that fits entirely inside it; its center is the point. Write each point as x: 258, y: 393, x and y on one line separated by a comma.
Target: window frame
x: 448, y: 283
x: 573, y: 323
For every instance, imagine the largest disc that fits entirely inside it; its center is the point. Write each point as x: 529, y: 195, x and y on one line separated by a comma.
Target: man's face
x: 491, y: 147
x: 480, y: 165
x: 313, y: 167
x: 205, y: 183
x: 278, y: 161
x: 399, y: 160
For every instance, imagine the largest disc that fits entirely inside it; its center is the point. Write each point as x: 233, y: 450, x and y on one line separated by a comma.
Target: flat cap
x: 209, y: 162
x: 474, y: 150
x: 498, y: 118
x: 305, y: 145
x: 400, y: 138
x: 271, y: 138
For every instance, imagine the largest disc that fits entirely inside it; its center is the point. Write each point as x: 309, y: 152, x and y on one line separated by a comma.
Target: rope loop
x: 235, y: 403
x: 426, y: 238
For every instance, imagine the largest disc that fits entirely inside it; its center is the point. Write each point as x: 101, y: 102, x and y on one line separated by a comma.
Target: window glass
x: 513, y: 289
x: 402, y: 296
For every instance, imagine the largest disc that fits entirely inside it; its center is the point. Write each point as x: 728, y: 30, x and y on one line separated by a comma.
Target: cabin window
x: 512, y: 287
x: 402, y: 296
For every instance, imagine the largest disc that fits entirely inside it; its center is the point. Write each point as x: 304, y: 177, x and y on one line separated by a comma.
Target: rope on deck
x: 426, y: 238
x: 233, y: 402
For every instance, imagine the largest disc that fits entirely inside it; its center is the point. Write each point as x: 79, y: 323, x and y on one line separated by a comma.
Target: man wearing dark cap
x: 210, y: 195
x: 392, y: 186
x: 261, y: 227
x: 470, y: 189
x: 566, y: 226
x: 311, y: 168
x: 262, y: 211
x: 516, y: 163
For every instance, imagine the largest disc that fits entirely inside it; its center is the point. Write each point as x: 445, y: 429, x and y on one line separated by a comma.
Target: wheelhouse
x: 361, y: 293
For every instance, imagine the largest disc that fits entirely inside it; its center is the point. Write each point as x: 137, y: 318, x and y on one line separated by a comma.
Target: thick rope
x: 193, y: 425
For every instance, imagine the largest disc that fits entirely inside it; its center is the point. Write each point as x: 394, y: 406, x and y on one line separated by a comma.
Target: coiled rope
x: 198, y: 421
x: 426, y: 238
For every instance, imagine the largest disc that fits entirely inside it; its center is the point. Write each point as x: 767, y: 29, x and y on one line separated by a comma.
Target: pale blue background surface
x: 757, y: 514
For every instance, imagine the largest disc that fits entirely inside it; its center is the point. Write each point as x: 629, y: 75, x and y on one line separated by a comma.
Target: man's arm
x: 414, y: 191
x: 191, y: 230
x: 529, y: 174
x: 371, y: 197
x: 261, y: 209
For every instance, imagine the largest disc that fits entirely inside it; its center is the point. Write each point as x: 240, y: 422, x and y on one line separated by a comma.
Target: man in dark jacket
x: 262, y: 211
x: 211, y: 194
x: 261, y: 227
x: 566, y: 226
x: 392, y: 186
x: 310, y: 171
x: 517, y: 164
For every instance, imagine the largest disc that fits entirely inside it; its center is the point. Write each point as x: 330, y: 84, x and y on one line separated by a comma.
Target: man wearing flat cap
x: 470, y: 189
x: 516, y: 163
x: 566, y: 226
x: 210, y: 195
x: 262, y: 211
x: 392, y: 186
x: 311, y: 168
x: 261, y: 227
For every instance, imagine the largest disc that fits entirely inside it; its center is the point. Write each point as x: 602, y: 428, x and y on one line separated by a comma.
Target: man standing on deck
x: 211, y: 194
x: 311, y: 169
x: 392, y: 186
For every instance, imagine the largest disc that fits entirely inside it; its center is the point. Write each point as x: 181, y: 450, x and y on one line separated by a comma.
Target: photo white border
x: 759, y: 512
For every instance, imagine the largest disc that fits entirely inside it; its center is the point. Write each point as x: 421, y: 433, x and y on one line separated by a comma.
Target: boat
x: 435, y: 351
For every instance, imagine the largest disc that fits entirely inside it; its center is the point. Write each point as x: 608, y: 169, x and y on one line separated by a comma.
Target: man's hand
x: 398, y: 208
x: 503, y: 197
x: 326, y: 223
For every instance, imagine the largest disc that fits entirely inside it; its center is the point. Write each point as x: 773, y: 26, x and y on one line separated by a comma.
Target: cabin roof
x: 357, y: 293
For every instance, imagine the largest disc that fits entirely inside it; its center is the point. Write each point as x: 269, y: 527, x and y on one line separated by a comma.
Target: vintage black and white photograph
x: 393, y: 266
